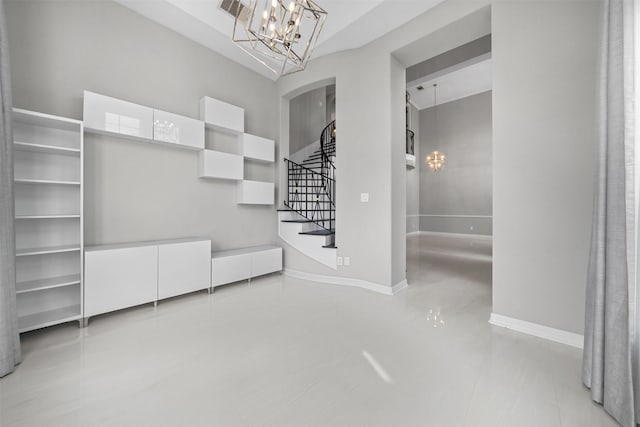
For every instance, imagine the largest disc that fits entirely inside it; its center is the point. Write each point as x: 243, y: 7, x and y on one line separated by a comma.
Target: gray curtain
x: 610, y: 298
x: 9, y: 338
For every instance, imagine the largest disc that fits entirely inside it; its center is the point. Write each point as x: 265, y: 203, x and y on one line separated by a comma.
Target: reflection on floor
x: 285, y: 352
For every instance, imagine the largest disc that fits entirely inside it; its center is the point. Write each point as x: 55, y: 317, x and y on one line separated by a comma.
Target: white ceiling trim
x: 350, y: 24
x: 461, y: 83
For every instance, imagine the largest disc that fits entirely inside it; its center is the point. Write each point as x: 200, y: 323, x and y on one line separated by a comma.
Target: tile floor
x: 284, y: 352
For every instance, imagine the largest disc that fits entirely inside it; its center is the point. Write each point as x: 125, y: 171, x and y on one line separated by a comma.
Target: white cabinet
x: 180, y: 130
x: 216, y: 164
x: 229, y: 267
x: 104, y: 114
x: 245, y: 263
x: 265, y: 260
x: 256, y: 192
x: 48, y: 218
x: 183, y: 268
x: 221, y: 116
x: 119, y: 277
x: 256, y: 147
x: 126, y: 275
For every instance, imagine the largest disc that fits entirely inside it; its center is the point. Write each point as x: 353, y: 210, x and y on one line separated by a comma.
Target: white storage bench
x: 243, y: 264
x: 125, y: 275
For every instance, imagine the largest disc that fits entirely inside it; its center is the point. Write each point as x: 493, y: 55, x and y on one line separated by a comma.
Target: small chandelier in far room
x: 436, y: 159
x: 281, y: 34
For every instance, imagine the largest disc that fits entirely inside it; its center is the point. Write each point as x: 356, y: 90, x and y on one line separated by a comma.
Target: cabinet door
x: 120, y: 278
x: 183, y: 268
x: 265, y: 262
x: 229, y: 269
x: 180, y: 130
x: 107, y: 114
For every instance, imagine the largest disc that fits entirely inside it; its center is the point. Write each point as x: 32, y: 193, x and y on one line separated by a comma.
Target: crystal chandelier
x: 281, y: 34
x: 436, y: 159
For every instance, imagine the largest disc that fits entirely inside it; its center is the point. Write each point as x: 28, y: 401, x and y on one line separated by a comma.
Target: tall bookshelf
x: 48, y: 175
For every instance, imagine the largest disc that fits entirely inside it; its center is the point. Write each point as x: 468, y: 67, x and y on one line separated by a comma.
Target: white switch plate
x: 347, y: 261
x: 339, y: 260
x: 364, y: 197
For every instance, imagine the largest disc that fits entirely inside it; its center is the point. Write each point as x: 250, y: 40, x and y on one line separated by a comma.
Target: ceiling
x: 350, y: 23
x: 460, y: 82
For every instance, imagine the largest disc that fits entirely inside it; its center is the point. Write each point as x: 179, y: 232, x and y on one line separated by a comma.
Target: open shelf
x: 47, y: 250
x: 45, y: 181
x: 49, y: 149
x: 48, y: 283
x: 49, y: 318
x: 47, y: 216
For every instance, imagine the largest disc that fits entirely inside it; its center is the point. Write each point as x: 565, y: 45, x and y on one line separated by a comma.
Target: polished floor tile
x: 285, y: 352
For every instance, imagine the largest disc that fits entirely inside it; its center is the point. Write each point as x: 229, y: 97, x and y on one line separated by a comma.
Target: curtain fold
x: 610, y: 297
x: 9, y: 337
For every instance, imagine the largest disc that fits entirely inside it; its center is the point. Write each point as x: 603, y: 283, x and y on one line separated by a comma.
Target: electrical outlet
x: 347, y: 261
x: 339, y: 260
x: 364, y: 197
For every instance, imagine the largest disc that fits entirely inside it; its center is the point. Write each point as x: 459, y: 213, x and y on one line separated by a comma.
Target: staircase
x: 308, y: 221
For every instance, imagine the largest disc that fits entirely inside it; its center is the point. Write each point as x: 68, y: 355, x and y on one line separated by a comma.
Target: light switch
x: 339, y: 260
x: 347, y: 261
x: 364, y: 197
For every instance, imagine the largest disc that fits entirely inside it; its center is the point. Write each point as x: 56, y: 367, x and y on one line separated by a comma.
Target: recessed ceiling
x: 350, y: 23
x: 460, y: 83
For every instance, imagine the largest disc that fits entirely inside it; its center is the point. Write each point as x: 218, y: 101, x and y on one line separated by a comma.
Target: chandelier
x: 436, y: 159
x: 281, y: 34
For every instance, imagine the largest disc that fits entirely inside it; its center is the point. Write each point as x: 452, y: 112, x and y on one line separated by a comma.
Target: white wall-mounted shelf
x: 256, y: 147
x: 41, y: 148
x: 48, y: 174
x: 216, y: 164
x: 48, y: 283
x: 47, y: 250
x: 111, y: 116
x: 47, y: 216
x: 221, y: 116
x: 256, y: 193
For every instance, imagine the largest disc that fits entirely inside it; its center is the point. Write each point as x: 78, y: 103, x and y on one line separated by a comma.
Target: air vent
x: 235, y: 8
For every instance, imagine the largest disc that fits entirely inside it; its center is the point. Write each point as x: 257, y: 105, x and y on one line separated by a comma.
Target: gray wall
x: 458, y: 198
x: 308, y: 116
x: 413, y: 175
x: 544, y: 74
x: 137, y: 191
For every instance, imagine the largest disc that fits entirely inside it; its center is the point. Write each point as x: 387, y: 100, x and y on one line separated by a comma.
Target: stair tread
x: 331, y: 246
x: 297, y: 220
x: 319, y: 232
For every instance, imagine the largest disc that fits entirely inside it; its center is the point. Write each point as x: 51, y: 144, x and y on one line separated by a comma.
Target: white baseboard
x: 458, y: 235
x: 346, y: 281
x: 540, y: 331
x: 413, y: 233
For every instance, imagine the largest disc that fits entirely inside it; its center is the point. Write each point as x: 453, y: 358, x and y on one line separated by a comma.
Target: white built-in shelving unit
x: 48, y: 224
x: 227, y: 118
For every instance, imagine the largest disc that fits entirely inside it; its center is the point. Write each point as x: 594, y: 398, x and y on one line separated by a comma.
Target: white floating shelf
x: 256, y: 147
x: 47, y: 250
x: 105, y: 114
x: 256, y: 193
x: 48, y: 283
x: 50, y: 149
x: 221, y: 116
x: 216, y: 164
x: 49, y: 318
x: 47, y: 216
x: 45, y: 181
x: 179, y: 130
